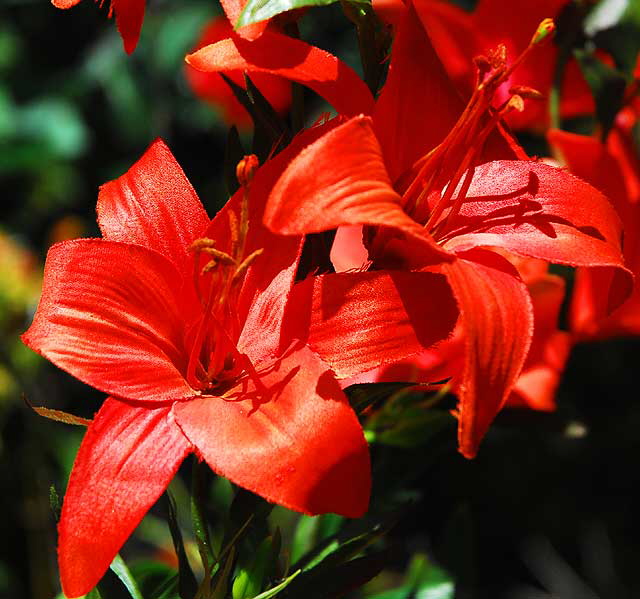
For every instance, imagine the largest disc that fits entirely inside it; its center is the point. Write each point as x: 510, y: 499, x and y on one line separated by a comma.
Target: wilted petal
x: 127, y: 458
x: 295, y: 440
x: 113, y: 315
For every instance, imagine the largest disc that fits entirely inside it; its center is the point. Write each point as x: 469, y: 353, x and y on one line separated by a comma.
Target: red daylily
x: 414, y: 180
x: 459, y: 36
x: 129, y: 17
x: 213, y: 89
x: 179, y: 320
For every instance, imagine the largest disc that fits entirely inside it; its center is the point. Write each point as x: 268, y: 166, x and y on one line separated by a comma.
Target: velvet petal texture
x: 614, y: 168
x: 350, y: 320
x: 302, y: 417
x: 155, y: 208
x: 127, y: 458
x: 316, y: 192
x: 112, y: 315
x: 292, y: 59
x: 497, y: 333
x: 537, y: 210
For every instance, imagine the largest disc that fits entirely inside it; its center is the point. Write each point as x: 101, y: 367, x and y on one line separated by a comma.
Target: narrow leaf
x: 122, y: 572
x: 187, y: 585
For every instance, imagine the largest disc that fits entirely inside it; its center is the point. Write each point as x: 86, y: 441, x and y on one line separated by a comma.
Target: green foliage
x: 259, y: 10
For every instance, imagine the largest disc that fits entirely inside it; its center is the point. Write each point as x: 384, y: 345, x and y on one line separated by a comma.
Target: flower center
x: 214, y: 359
x: 447, y: 170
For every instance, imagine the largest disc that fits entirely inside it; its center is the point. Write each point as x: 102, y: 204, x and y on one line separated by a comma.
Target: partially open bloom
x: 416, y: 176
x: 179, y: 320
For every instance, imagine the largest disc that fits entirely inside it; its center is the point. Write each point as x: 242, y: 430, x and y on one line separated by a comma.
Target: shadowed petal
x: 418, y: 104
x: 129, y: 17
x: 341, y: 179
x: 498, y: 325
x: 127, y: 458
x: 292, y: 59
x: 534, y: 209
x: 296, y: 442
x: 351, y: 314
x: 153, y: 205
x: 110, y: 315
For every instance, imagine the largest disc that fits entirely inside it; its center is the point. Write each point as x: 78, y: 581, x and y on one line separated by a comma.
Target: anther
x: 528, y: 93
x: 200, y: 244
x: 222, y: 257
x: 246, y: 169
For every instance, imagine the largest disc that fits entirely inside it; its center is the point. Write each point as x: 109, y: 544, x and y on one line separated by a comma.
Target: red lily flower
x: 410, y: 176
x: 536, y: 386
x: 211, y: 88
x: 459, y: 36
x: 179, y: 320
x: 613, y: 168
x: 129, y: 17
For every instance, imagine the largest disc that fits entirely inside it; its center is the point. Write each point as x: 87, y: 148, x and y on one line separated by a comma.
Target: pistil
x: 449, y: 166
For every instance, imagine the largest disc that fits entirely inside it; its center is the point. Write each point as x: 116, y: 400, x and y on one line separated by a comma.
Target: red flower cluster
x: 206, y: 341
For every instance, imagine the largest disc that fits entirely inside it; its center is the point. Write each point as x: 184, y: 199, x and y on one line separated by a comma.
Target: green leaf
x: 275, y: 590
x: 156, y: 580
x: 607, y: 85
x: 123, y: 573
x: 259, y: 10
x: 187, y: 584
x: 54, y: 502
x: 250, y: 578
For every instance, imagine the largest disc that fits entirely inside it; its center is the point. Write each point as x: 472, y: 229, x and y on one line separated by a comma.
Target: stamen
x: 246, y: 263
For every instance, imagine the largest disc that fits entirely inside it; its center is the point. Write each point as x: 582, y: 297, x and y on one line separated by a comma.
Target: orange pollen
x: 447, y: 169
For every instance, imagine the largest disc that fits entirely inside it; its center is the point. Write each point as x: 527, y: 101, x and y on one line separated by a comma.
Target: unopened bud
x: 528, y: 93
x: 545, y: 29
x: 246, y: 168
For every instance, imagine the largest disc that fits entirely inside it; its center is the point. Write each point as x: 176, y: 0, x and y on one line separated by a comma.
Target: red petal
x: 359, y: 321
x: 153, y: 205
x: 129, y: 17
x: 319, y: 192
x: 498, y: 322
x: 534, y: 209
x: 64, y: 4
x: 418, y: 104
x: 292, y: 59
x: 297, y: 443
x: 113, y: 316
x: 127, y: 458
x: 233, y: 9
x: 276, y: 268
